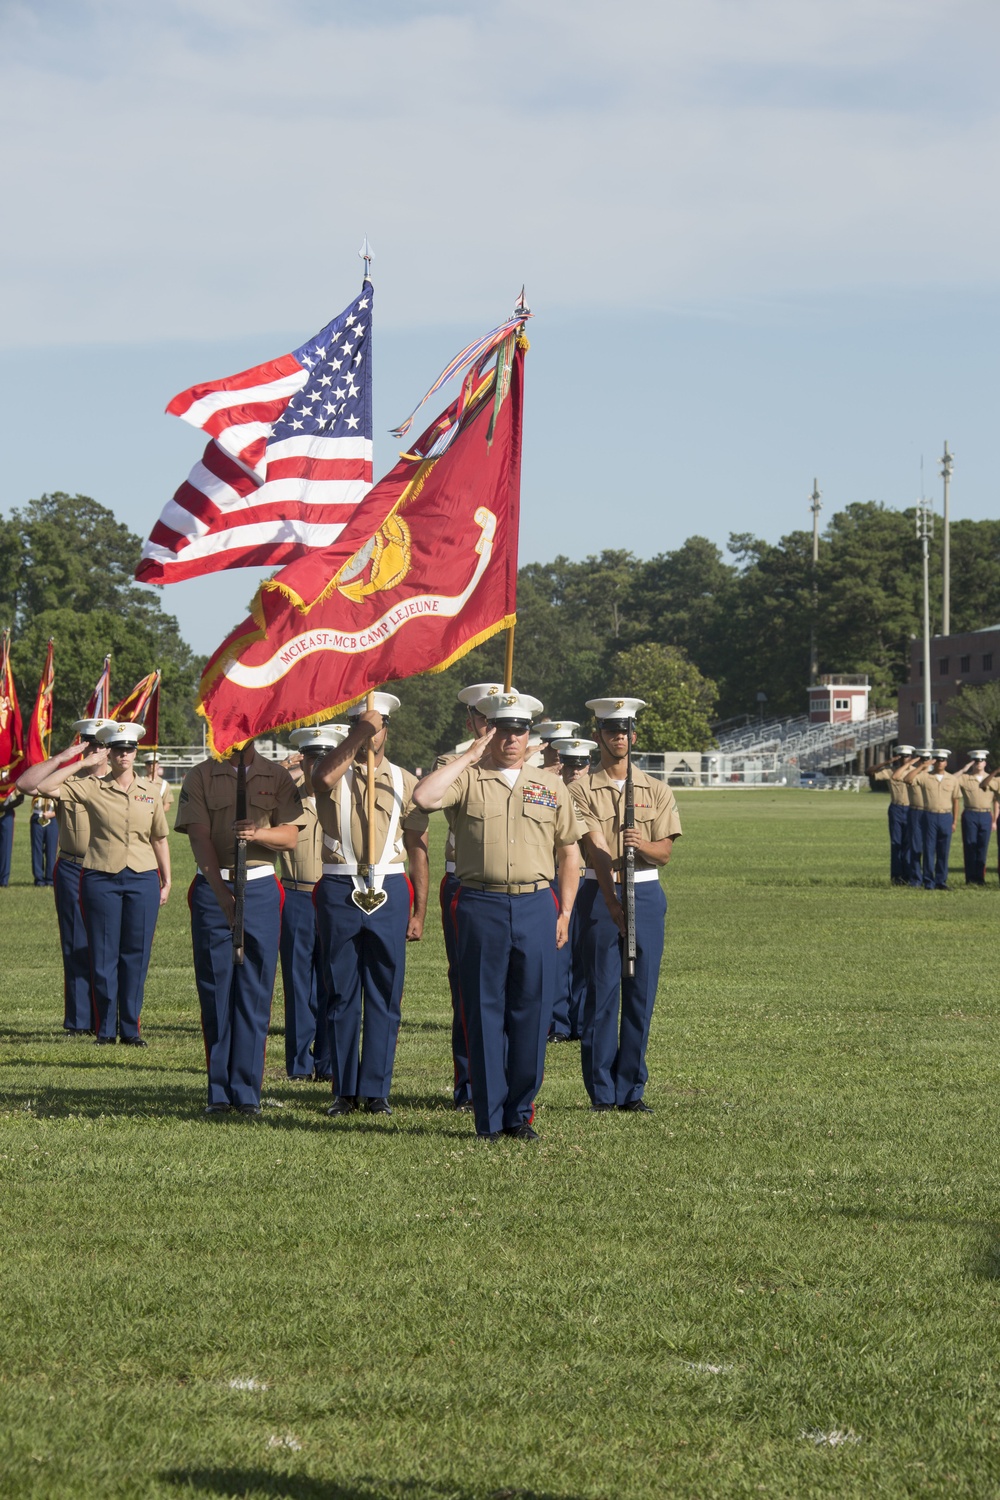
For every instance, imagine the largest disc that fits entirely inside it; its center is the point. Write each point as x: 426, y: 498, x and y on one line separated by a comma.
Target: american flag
x: 290, y: 457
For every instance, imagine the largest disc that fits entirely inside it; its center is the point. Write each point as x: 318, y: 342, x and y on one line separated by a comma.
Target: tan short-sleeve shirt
x: 939, y: 792
x: 976, y: 793
x: 121, y: 823
x: 74, y: 825
x: 412, y: 819
x: 509, y: 835
x: 208, y: 798
x: 304, y: 863
x: 600, y: 806
x: 897, y: 789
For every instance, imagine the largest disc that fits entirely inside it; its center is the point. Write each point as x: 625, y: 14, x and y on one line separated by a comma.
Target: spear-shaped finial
x: 366, y: 255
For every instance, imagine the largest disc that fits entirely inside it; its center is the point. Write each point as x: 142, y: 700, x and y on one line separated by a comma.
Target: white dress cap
x: 319, y: 737
x: 926, y: 753
x: 979, y: 755
x: 904, y: 749
x: 941, y: 754
x: 615, y: 708
x: 575, y: 749
x: 556, y: 729
x: 385, y: 704
x: 512, y: 705
x: 111, y: 733
x: 470, y: 696
x: 90, y: 727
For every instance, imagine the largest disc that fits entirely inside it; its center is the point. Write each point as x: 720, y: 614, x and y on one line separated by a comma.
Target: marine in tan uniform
x: 512, y: 825
x: 154, y: 772
x: 126, y: 875
x: 978, y: 816
x: 929, y: 777
x: 364, y: 948
x: 899, y: 809
x: 915, y: 812
x: 618, y: 1008
x: 74, y: 836
x: 235, y: 999
x: 307, y: 1045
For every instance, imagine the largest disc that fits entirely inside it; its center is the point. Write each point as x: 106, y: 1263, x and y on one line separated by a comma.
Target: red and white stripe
x: 247, y: 502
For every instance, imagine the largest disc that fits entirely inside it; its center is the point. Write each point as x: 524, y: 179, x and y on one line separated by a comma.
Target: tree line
x: 696, y: 632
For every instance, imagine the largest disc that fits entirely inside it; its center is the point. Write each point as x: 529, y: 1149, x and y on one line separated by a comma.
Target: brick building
x: 956, y: 661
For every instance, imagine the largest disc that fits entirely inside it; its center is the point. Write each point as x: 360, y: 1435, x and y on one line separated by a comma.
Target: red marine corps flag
x: 40, y: 726
x: 11, y: 735
x: 425, y: 570
x: 142, y: 706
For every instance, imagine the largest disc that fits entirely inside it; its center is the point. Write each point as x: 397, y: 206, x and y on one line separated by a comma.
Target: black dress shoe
x: 322, y: 1077
x: 600, y: 1109
x: 217, y: 1109
x: 342, y: 1105
x: 492, y: 1135
x: 521, y: 1132
x: 378, y: 1106
x: 636, y: 1107
x: 106, y: 1041
x: 464, y: 1107
x: 251, y: 1111
x: 133, y: 1041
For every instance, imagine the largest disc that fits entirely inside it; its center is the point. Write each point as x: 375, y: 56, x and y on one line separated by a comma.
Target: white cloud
x: 205, y: 167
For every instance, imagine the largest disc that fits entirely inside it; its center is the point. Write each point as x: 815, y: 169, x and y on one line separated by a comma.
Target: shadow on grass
x: 56, y: 1103
x: 405, y: 1025
x: 251, y: 1483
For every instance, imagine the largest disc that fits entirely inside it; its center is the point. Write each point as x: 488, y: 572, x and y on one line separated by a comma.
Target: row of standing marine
x: 926, y: 803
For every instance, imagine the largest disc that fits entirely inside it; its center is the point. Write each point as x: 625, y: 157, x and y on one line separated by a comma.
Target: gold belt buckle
x: 364, y: 869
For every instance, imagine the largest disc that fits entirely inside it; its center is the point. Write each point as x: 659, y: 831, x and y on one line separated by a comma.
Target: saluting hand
x: 477, y: 749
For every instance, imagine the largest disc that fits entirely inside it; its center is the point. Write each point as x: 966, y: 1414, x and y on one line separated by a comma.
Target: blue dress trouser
x: 6, y: 843
x: 235, y: 998
x: 571, y: 983
x: 78, y: 1007
x: 976, y: 830
x: 506, y: 964
x: 364, y: 961
x: 937, y: 843
x: 899, y: 843
x: 462, y: 1089
x: 613, y: 1053
x: 44, y: 847
x: 304, y: 986
x: 915, y: 823
x: 120, y: 914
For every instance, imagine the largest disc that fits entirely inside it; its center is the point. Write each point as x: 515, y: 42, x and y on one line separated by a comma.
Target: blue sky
x: 760, y: 238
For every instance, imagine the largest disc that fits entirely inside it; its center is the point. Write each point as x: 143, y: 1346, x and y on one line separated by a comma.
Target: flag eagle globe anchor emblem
x: 382, y: 563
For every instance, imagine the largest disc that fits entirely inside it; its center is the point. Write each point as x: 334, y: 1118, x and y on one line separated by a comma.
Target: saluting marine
x: 618, y: 1007
x: 978, y: 816
x: 929, y: 778
x: 448, y: 895
x: 74, y: 836
x: 549, y: 731
x: 235, y: 998
x: 307, y: 1045
x: 571, y: 978
x: 126, y: 874
x: 511, y: 824
x: 364, y: 908
x: 899, y: 813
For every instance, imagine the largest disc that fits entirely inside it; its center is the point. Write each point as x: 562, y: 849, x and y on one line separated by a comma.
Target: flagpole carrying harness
x: 351, y: 866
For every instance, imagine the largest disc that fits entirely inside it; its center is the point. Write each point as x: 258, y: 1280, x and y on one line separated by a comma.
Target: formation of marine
x: 552, y: 908
x: 927, y: 805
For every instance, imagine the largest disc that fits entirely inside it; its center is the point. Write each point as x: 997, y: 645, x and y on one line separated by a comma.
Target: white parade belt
x: 367, y: 877
x: 640, y: 875
x: 449, y: 867
x: 256, y: 872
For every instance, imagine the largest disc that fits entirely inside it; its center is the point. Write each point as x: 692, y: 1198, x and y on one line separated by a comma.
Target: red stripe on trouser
x: 201, y: 1018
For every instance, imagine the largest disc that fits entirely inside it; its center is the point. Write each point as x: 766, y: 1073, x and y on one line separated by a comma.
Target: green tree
x: 973, y: 720
x: 72, y: 580
x: 680, y: 701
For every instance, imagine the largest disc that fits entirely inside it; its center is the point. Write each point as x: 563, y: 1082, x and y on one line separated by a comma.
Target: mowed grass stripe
x: 783, y: 1282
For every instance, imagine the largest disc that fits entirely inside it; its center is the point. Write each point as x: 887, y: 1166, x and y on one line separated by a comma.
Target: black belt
x: 299, y: 885
x: 70, y: 859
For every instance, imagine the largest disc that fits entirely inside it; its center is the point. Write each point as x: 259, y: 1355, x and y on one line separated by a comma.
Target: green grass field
x: 784, y: 1282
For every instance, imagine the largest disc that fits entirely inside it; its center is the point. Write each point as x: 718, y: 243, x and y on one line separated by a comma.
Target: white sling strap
x: 350, y: 865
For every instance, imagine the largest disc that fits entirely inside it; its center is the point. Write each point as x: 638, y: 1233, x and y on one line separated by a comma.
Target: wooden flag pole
x: 371, y: 899
x: 508, y: 666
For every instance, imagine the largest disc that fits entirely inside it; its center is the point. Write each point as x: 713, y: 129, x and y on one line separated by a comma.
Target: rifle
x: 628, y: 863
x: 240, y: 862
